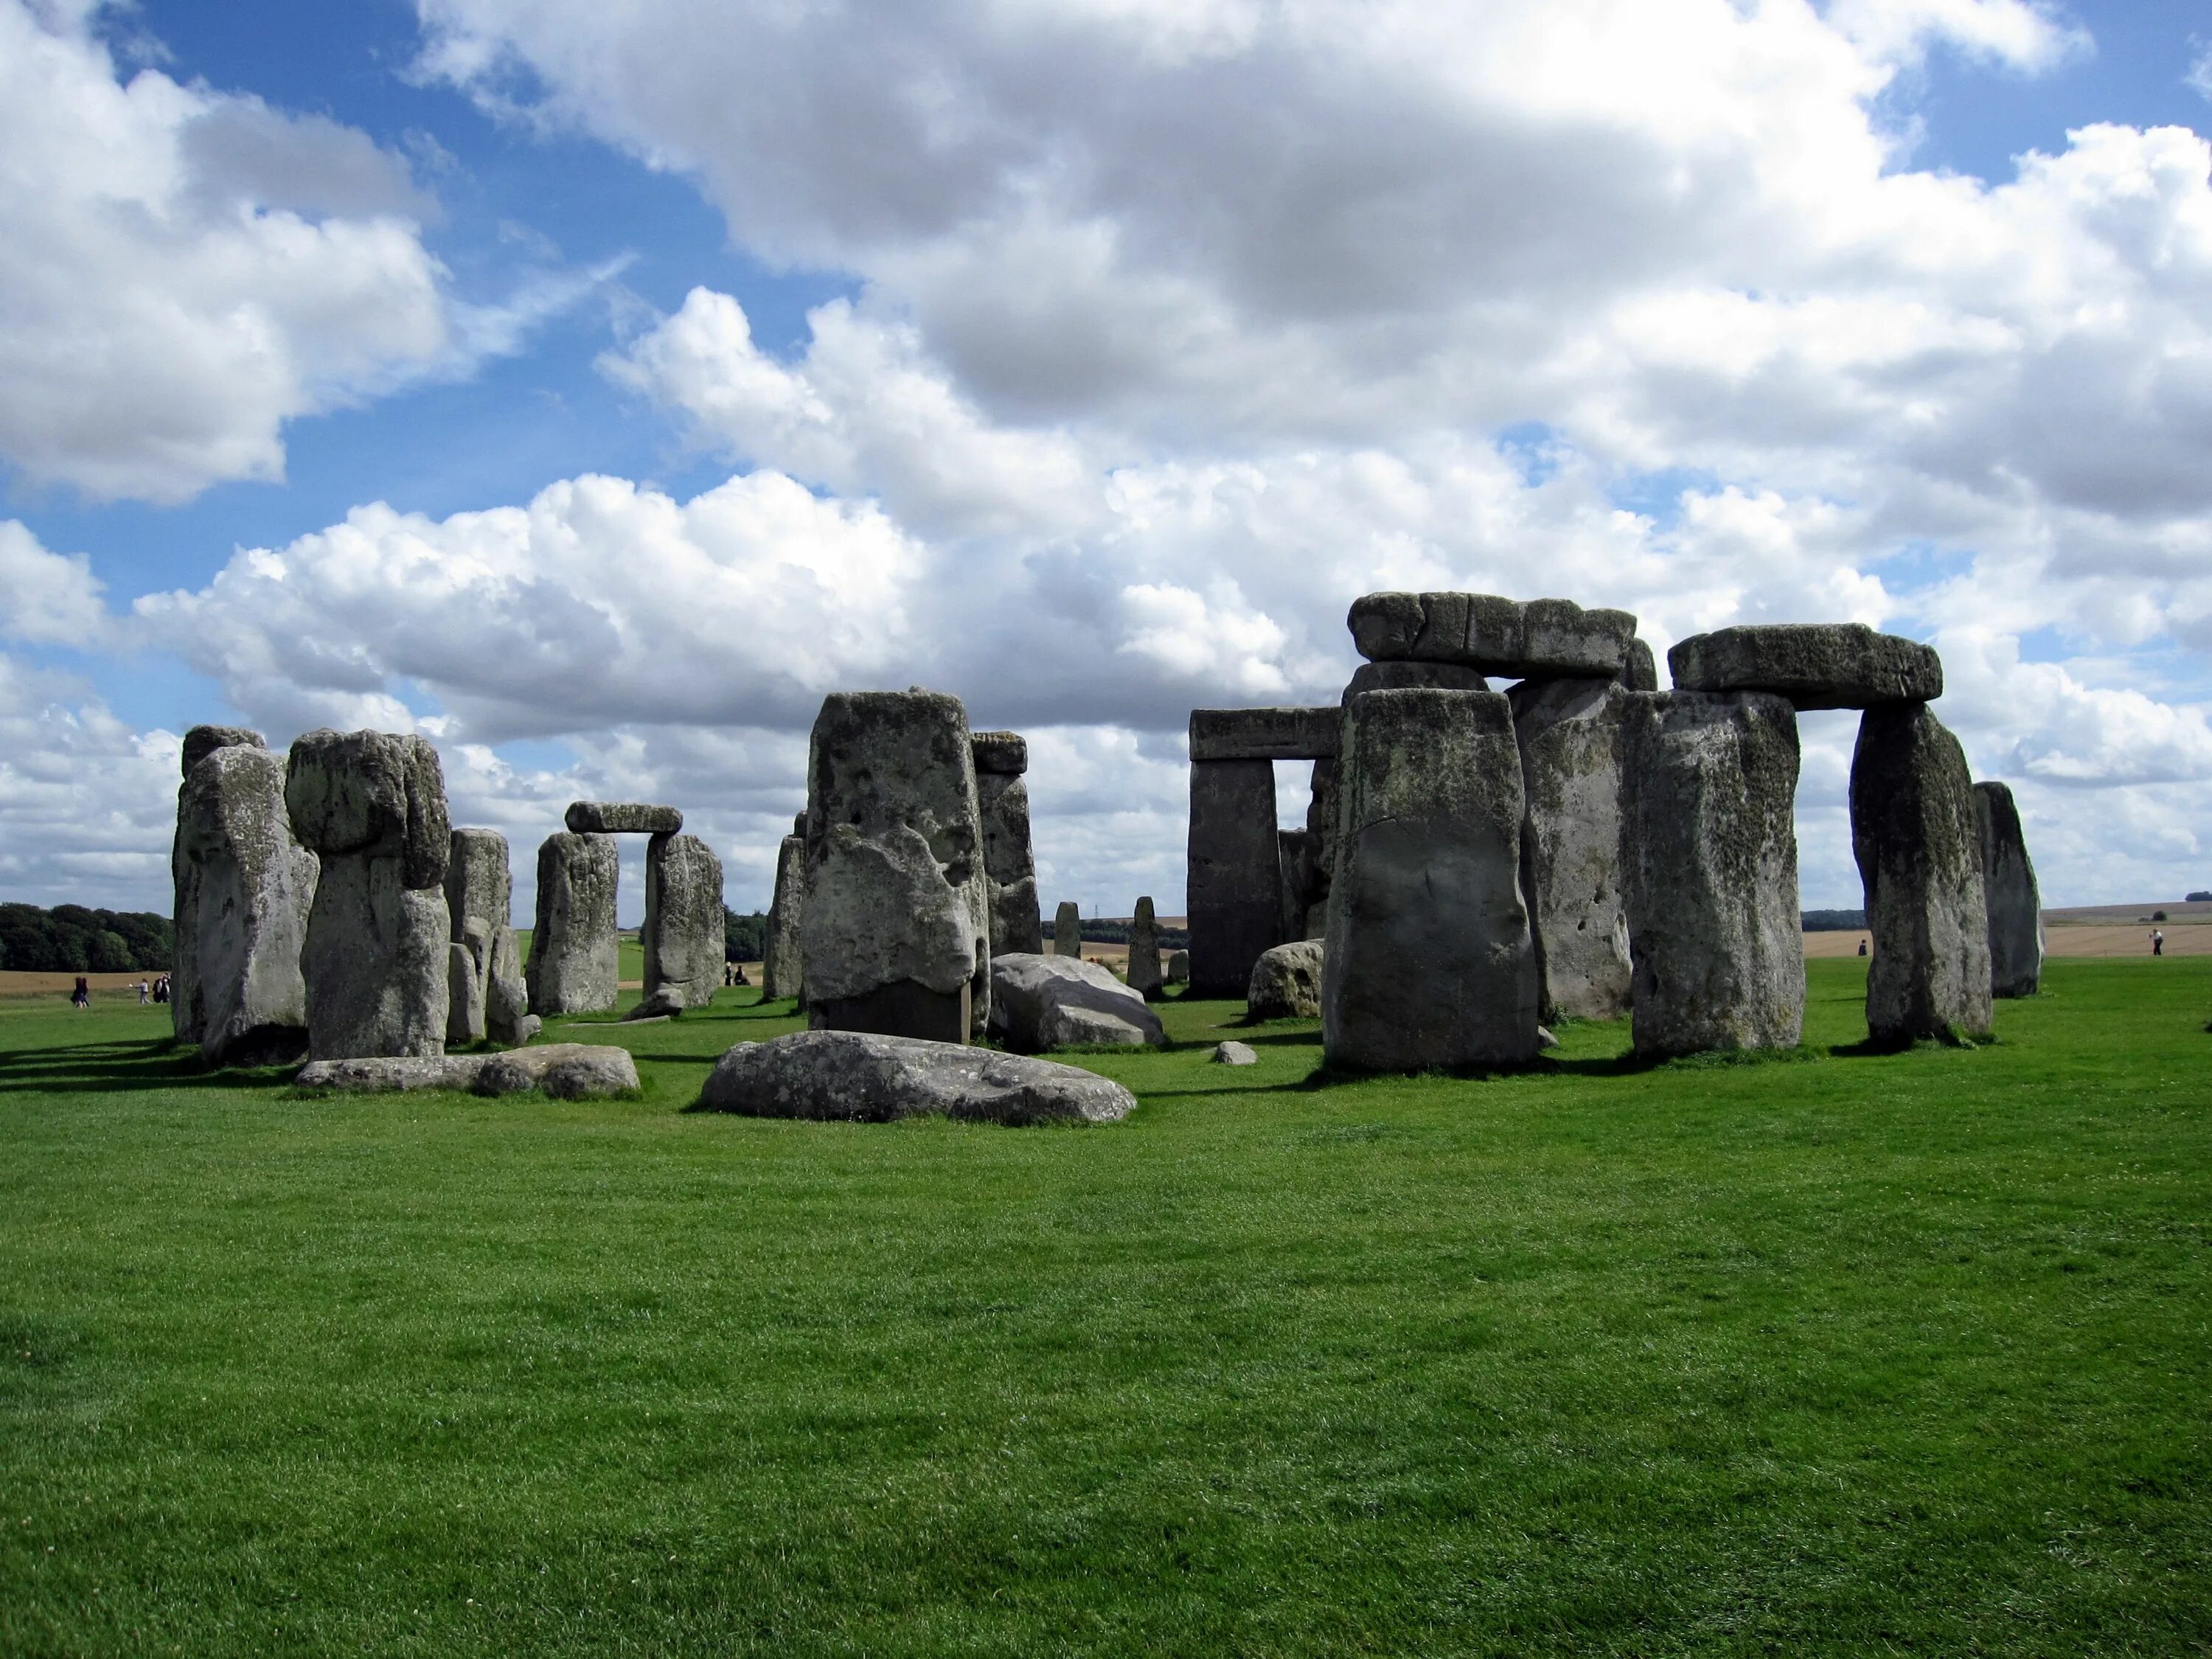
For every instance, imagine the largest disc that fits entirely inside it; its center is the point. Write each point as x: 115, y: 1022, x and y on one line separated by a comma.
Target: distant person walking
x: 81, y: 997
x: 145, y: 994
x: 1863, y: 947
x: 2157, y: 943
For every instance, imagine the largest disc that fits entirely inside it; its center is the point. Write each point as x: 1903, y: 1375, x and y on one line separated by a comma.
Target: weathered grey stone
x: 1430, y: 963
x: 1145, y: 973
x: 1286, y: 982
x: 203, y: 740
x: 1303, y: 911
x: 1003, y: 800
x: 1573, y: 742
x: 1814, y: 665
x: 896, y: 932
x: 2015, y: 902
x: 608, y: 817
x: 1040, y: 1002
x: 853, y: 1077
x: 1545, y: 1039
x: 479, y: 907
x: 1400, y: 674
x: 780, y: 971
x: 187, y: 1013
x: 388, y: 1073
x: 507, y: 1017
x: 1710, y: 868
x: 1919, y: 847
x: 1234, y: 873
x: 465, y: 991
x: 574, y: 951
x: 567, y: 1071
x: 1640, y: 672
x: 248, y: 888
x: 1234, y: 1053
x: 375, y: 962
x: 1257, y: 734
x: 685, y: 939
x: 1540, y: 638
x: 1067, y: 930
x: 999, y: 754
x: 375, y: 793
x: 1179, y: 968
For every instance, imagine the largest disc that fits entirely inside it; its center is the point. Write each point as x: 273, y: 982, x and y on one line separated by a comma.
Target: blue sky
x: 1084, y: 358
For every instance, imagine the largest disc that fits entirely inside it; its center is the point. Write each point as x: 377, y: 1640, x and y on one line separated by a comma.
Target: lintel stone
x: 607, y: 817
x: 1268, y: 734
x: 1814, y: 665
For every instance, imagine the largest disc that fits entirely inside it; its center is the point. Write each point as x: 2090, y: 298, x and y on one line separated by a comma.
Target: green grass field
x: 1841, y: 1353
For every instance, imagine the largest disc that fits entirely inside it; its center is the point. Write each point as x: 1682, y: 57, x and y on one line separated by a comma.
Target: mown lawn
x: 1840, y: 1354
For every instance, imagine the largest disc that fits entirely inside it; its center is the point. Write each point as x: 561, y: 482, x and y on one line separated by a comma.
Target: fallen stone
x: 858, y: 1078
x: 1919, y: 845
x: 1709, y: 873
x: 782, y: 973
x: 684, y: 937
x: 1286, y: 982
x: 1814, y: 665
x: 1268, y: 734
x: 2015, y: 902
x: 1234, y: 873
x: 1067, y: 931
x: 567, y: 1071
x: 1572, y: 736
x: 1144, y: 972
x: 608, y: 817
x: 248, y: 889
x: 375, y: 794
x: 658, y: 1005
x: 1040, y: 1002
x: 1540, y: 638
x: 1428, y: 963
x: 382, y: 1073
x: 574, y: 951
x: 1234, y: 1053
x: 999, y: 754
x: 203, y: 740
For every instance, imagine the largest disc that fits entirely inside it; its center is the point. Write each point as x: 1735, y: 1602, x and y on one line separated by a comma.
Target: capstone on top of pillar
x: 1537, y: 639
x: 1227, y: 734
x: 1006, y: 753
x: 608, y: 817
x: 1814, y: 665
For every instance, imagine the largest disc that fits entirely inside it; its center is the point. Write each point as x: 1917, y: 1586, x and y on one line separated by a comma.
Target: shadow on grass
x: 122, y: 1067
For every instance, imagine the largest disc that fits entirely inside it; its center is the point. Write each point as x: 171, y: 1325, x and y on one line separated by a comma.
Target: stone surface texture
x: 1573, y: 742
x: 1641, y: 672
x: 1430, y: 963
x: 1067, y: 931
x: 465, y: 962
x: 896, y: 932
x: 1146, y: 974
x: 480, y: 909
x: 1918, y: 841
x: 249, y: 888
x: 999, y: 754
x: 1235, y: 1054
x: 782, y: 973
x: 1710, y: 869
x: 376, y: 958
x: 1401, y: 675
x: 1813, y: 665
x: 2015, y: 902
x: 612, y: 817
x: 853, y: 1077
x: 1272, y: 734
x: 567, y: 1071
x: 507, y: 1017
x: 1234, y: 873
x: 1286, y: 982
x: 203, y: 740
x: 684, y: 940
x: 1511, y: 638
x: 575, y: 952
x: 1003, y: 800
x: 1040, y: 1003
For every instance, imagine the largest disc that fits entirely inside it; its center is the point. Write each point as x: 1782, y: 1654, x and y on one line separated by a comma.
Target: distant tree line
x: 1117, y: 932
x: 71, y: 939
x: 1833, y: 922
x: 745, y: 939
x: 2199, y: 898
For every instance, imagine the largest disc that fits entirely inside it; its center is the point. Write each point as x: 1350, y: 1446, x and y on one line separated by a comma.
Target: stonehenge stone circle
x: 780, y: 971
x: 1286, y: 982
x: 245, y: 889
x: 373, y: 805
x: 1430, y: 963
x: 2016, y: 903
x: 1067, y: 930
x: 185, y: 1018
x: 1537, y: 639
x: 574, y: 951
x: 1573, y: 740
x: 895, y: 936
x: 1009, y: 863
x: 867, y: 1078
x: 606, y: 817
x: 685, y: 942
x: 1915, y: 834
x: 1813, y: 665
x: 1145, y: 974
x: 1711, y: 873
x: 1040, y: 1002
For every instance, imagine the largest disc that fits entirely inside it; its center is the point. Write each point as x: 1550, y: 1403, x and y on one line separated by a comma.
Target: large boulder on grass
x: 1040, y: 1002
x: 861, y: 1077
x: 1286, y: 982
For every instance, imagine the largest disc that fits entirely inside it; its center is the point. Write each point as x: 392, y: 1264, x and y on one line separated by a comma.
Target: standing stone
x: 1145, y: 976
x: 2015, y: 901
x: 507, y: 1017
x: 1919, y: 845
x: 1178, y: 967
x: 1573, y: 740
x: 187, y: 1019
x: 375, y: 961
x: 896, y: 933
x: 1008, y: 862
x: 250, y: 887
x: 781, y: 970
x: 466, y: 961
x: 1302, y: 912
x: 684, y: 937
x: 1710, y: 862
x: 575, y: 954
x: 480, y: 908
x: 1067, y: 930
x: 1234, y: 873
x: 1430, y: 963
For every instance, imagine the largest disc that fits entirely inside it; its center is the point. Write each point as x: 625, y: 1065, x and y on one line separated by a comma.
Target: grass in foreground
x: 1845, y: 1354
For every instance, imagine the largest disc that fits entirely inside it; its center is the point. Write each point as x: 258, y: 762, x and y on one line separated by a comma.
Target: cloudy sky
x: 593, y: 388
